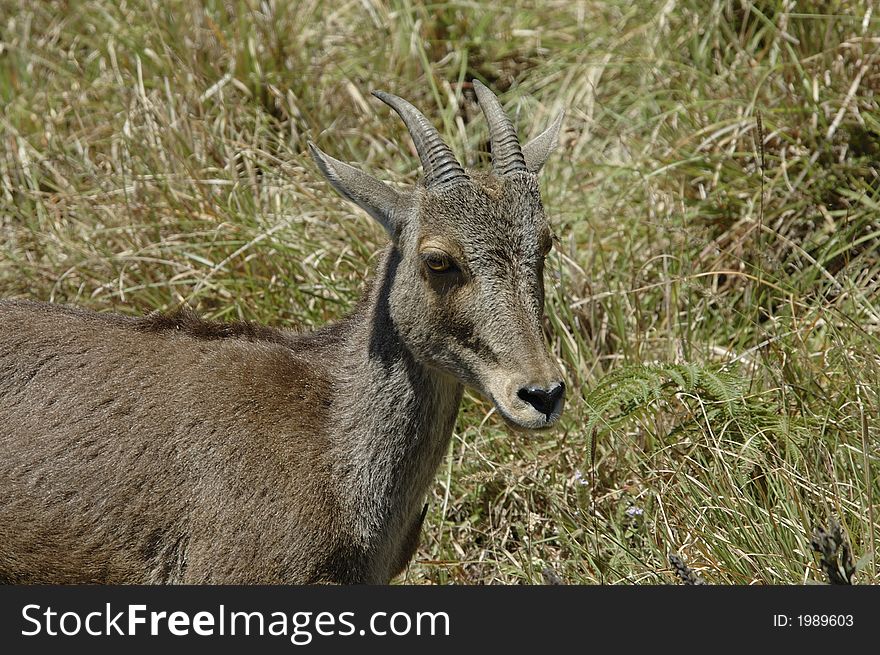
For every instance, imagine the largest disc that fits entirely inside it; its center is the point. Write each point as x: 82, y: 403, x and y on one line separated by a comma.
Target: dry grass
x: 714, y: 299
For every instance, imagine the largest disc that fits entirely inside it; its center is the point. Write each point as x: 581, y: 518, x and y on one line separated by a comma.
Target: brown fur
x: 169, y: 449
x: 127, y: 473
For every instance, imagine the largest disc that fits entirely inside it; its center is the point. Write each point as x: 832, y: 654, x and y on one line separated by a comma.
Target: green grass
x: 714, y: 296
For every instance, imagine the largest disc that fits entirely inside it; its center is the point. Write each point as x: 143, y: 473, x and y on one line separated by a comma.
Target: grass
x: 714, y: 296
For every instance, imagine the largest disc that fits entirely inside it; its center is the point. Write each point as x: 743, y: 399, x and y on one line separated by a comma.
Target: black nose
x: 544, y: 400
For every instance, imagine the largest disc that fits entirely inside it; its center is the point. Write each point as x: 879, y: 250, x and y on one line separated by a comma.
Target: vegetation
x: 714, y: 294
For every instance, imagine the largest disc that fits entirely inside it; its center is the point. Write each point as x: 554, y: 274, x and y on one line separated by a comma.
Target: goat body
x: 168, y: 449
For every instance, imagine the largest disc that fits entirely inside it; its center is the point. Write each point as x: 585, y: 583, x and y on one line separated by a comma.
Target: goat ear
x: 375, y: 197
x: 540, y: 148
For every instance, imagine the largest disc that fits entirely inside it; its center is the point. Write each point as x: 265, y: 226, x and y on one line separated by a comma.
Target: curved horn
x: 507, y: 156
x: 438, y: 162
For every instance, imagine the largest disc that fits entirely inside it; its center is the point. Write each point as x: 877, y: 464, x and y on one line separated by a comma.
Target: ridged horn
x: 438, y: 162
x: 507, y: 155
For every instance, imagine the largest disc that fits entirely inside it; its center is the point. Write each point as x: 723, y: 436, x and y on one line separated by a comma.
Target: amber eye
x: 437, y: 262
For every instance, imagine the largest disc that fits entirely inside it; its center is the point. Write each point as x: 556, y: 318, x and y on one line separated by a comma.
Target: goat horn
x: 438, y: 162
x: 507, y: 155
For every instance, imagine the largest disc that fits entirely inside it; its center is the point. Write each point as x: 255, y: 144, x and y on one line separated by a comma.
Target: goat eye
x: 437, y: 262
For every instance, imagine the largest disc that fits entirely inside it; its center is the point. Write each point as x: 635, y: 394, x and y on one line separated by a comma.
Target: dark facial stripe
x: 463, y: 332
